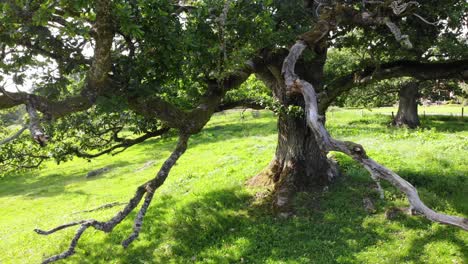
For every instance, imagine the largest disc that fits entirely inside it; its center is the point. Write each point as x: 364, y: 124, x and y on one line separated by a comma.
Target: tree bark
x: 298, y: 164
x: 408, y: 106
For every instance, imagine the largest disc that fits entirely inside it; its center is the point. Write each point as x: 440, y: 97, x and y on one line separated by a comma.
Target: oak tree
x: 154, y: 67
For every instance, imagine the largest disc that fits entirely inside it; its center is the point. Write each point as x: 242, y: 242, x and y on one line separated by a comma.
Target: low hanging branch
x: 14, y: 136
x: 125, y: 144
x: 145, y: 190
x: 355, y: 151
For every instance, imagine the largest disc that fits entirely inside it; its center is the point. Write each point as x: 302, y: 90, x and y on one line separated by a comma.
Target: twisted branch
x: 147, y: 189
x: 355, y: 151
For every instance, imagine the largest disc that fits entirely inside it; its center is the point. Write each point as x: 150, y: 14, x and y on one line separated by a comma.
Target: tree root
x: 145, y: 190
x: 355, y: 151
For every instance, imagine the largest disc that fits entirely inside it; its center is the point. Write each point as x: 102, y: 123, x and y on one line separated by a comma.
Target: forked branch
x: 145, y: 190
x: 355, y: 151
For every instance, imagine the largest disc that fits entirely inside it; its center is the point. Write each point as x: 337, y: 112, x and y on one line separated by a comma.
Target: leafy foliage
x: 162, y: 51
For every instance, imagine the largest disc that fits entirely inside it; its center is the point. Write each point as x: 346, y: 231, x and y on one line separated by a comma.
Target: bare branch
x: 138, y: 223
x: 399, y: 7
x: 402, y: 39
x: 71, y: 248
x: 425, y: 21
x: 58, y: 228
x: 147, y: 188
x: 355, y: 151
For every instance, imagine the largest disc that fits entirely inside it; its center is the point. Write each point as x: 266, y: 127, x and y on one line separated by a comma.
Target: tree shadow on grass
x: 445, y: 123
x: 224, y: 227
x: 443, y: 234
x: 46, y: 186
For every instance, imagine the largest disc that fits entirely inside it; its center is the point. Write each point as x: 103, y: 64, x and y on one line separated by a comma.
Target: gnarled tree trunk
x: 408, y: 107
x: 298, y: 164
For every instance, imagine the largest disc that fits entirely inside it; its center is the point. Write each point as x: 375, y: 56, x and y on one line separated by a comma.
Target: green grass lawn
x: 448, y: 109
x: 204, y: 213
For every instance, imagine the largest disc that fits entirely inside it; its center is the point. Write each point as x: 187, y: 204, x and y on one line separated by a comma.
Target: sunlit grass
x: 205, y: 214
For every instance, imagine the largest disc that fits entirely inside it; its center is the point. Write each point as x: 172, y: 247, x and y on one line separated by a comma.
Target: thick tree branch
x: 402, y: 68
x: 355, y: 151
x: 97, y: 79
x: 192, y: 121
x: 245, y: 103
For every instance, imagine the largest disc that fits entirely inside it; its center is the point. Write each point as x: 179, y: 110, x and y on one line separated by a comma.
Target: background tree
x: 158, y: 67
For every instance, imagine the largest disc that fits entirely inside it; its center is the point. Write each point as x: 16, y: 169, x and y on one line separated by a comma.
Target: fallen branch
x: 147, y: 189
x: 355, y: 151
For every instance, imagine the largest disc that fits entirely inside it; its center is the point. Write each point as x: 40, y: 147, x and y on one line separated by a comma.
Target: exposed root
x: 356, y: 151
x: 147, y: 188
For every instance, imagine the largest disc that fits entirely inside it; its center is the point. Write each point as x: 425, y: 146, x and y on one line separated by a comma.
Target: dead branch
x: 402, y: 39
x: 147, y: 189
x: 355, y: 151
x: 399, y: 7
x: 425, y: 20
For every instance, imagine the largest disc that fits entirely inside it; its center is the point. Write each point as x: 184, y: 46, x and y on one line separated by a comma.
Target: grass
x: 447, y: 109
x: 205, y: 214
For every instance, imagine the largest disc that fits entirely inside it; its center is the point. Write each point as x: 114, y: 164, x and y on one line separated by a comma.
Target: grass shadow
x: 445, y: 123
x: 46, y: 186
x: 439, y: 191
x: 443, y: 234
x: 224, y: 227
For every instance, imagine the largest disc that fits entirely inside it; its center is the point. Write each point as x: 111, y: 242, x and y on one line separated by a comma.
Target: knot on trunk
x: 41, y: 138
x: 356, y: 149
x: 294, y: 88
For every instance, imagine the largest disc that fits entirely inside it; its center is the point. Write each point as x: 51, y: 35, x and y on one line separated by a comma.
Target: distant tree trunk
x: 408, y: 106
x: 298, y: 164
